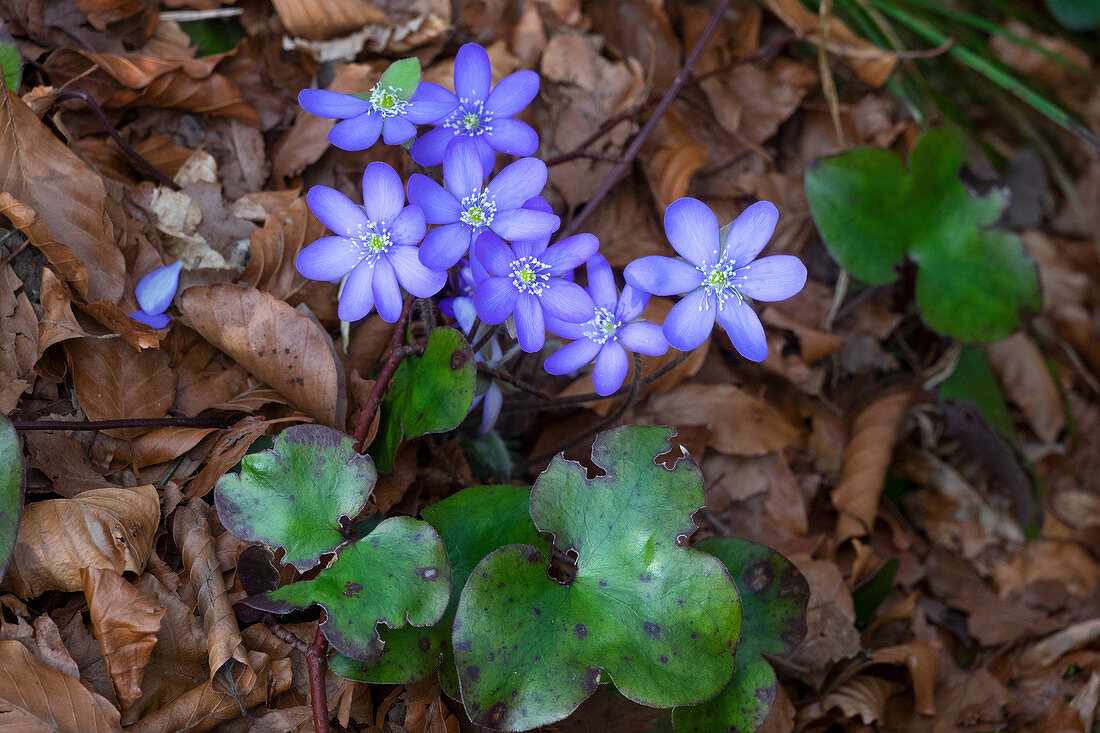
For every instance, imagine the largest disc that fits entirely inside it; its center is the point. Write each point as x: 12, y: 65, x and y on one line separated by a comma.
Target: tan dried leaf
x: 59, y: 255
x: 273, y: 341
x: 126, y: 621
x: 321, y: 19
x: 1026, y: 380
x: 58, y: 320
x: 866, y: 459
x: 863, y: 697
x: 18, y: 339
x: 922, y: 659
x: 101, y: 528
x: 274, y: 249
x: 113, y: 380
x: 36, y: 697
x: 670, y: 158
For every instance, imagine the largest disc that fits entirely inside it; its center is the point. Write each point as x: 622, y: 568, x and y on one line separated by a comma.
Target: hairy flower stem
x: 398, y: 352
x: 316, y: 664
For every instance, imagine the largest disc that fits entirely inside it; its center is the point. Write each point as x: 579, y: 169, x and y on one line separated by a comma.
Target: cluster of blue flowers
x: 498, y: 232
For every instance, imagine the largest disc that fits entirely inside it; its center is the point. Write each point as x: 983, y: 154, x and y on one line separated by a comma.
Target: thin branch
x: 139, y: 160
x: 514, y: 381
x: 398, y: 352
x: 285, y: 635
x: 316, y: 663
x: 135, y: 422
x: 476, y: 347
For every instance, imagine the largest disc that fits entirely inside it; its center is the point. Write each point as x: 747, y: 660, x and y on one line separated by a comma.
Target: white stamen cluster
x: 602, y: 327
x: 469, y: 118
x: 387, y: 102
x: 530, y: 275
x: 371, y: 241
x: 721, y: 280
x: 478, y: 210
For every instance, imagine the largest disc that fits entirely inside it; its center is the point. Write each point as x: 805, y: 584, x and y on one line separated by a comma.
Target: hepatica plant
x: 523, y: 599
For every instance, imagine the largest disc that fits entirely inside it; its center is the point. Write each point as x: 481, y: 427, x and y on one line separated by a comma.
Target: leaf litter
x: 838, y: 451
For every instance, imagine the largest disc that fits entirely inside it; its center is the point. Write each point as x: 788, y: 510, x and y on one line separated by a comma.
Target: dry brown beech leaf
x: 19, y: 334
x: 109, y: 528
x: 1027, y: 382
x: 113, y: 380
x: 191, y: 532
x: 59, y: 255
x: 673, y: 155
x: 274, y: 249
x: 274, y: 342
x: 866, y: 459
x: 37, y: 697
x: 40, y: 172
x: 321, y: 19
x: 126, y: 621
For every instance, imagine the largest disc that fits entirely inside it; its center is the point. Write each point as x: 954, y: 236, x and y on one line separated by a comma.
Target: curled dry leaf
x: 321, y: 19
x: 231, y: 446
x: 40, y: 172
x: 922, y: 659
x: 113, y: 380
x: 274, y: 249
x: 19, y: 331
x: 102, y: 528
x: 37, y: 697
x: 863, y: 697
x: 126, y: 621
x: 1027, y: 382
x: 191, y: 532
x: 866, y: 459
x: 273, y: 341
x: 59, y: 255
x: 673, y: 155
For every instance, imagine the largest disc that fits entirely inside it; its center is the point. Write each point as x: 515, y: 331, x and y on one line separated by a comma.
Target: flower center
x: 469, y: 118
x: 721, y: 280
x: 386, y: 101
x: 602, y: 327
x: 478, y: 210
x: 372, y: 240
x: 530, y: 275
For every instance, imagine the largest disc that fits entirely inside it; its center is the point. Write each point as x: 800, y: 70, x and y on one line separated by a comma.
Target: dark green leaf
x: 430, y: 393
x: 214, y: 35
x: 1078, y: 15
x: 293, y: 495
x: 774, y: 596
x: 11, y: 491
x: 872, y: 591
x: 12, y: 62
x: 660, y: 619
x: 402, y: 77
x: 489, y: 456
x: 472, y: 523
x: 397, y: 574
x: 973, y: 379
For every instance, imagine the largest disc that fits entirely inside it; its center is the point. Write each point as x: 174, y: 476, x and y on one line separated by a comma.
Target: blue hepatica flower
x: 374, y: 246
x: 155, y: 293
x: 718, y: 277
x: 465, y: 208
x: 382, y: 112
x: 611, y: 333
x: 526, y: 283
x: 477, y: 113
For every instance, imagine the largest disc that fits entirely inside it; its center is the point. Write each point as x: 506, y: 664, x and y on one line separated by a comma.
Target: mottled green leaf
x: 11, y: 491
x: 430, y: 393
x: 472, y: 523
x: 661, y: 620
x: 402, y: 77
x: 294, y: 495
x: 774, y: 596
x: 396, y: 575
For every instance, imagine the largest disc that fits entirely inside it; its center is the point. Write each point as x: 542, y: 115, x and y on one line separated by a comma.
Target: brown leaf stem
x: 398, y: 352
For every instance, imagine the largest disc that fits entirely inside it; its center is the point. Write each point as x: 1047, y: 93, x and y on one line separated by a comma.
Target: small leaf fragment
x: 294, y: 495
x: 396, y: 575
x: 11, y: 491
x: 402, y: 77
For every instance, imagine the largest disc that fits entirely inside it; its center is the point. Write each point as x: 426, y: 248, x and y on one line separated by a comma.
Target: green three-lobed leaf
x: 294, y: 495
x: 660, y: 620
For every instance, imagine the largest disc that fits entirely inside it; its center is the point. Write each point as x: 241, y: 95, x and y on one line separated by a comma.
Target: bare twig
x: 398, y: 352
x: 514, y: 381
x: 134, y: 422
x: 139, y: 160
x: 285, y: 635
x: 476, y: 347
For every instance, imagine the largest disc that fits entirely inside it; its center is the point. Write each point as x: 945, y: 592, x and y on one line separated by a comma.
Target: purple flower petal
x: 493, y: 254
x: 156, y: 290
x: 772, y: 278
x: 397, y: 130
x: 356, y: 299
x: 610, y: 370
x: 462, y: 168
x: 409, y: 227
x: 512, y: 94
x: 383, y: 194
x: 490, y: 409
x: 750, y: 232
x: 744, y: 329
x: 487, y: 155
x: 631, y: 303
x: 464, y: 312
x: 357, y: 133
x: 567, y: 301
x: 413, y: 275
x: 473, y: 74
x: 565, y: 329
x: 531, y: 247
x: 329, y: 258
x: 537, y: 203
x: 690, y: 321
x: 430, y: 104
x: 429, y: 148
x: 158, y: 321
x: 494, y: 299
x: 662, y: 275
x: 512, y: 137
x: 601, y: 282
x: 570, y: 253
x: 643, y: 337
x: 513, y: 224
x: 438, y: 204
x: 572, y: 357
x: 387, y: 293
x: 530, y: 328
x: 517, y: 183
x: 445, y: 246
x: 336, y: 211
x: 332, y: 105
x: 692, y: 229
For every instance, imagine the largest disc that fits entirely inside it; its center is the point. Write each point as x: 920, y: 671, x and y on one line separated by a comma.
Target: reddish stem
x: 317, y: 663
x: 398, y: 352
